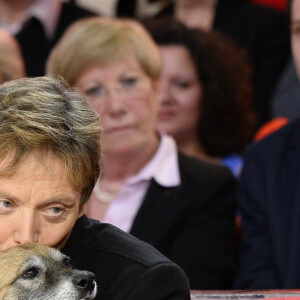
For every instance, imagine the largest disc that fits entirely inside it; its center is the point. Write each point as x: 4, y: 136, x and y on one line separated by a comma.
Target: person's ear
x: 82, y: 210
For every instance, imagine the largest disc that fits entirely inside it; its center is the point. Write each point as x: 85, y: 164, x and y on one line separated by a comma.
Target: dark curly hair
x: 227, y: 120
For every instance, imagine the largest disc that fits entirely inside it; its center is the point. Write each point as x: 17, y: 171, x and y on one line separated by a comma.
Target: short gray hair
x: 45, y: 116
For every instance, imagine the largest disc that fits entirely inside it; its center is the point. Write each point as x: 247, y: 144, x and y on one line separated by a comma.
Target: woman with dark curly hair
x: 205, y: 93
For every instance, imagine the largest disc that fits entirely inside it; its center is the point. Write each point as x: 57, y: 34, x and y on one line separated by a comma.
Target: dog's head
x: 33, y: 271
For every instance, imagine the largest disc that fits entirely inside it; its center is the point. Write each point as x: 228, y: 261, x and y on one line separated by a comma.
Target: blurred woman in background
x: 205, y: 93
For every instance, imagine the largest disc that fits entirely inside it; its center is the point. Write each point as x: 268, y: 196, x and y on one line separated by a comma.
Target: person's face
x: 295, y: 33
x: 37, y: 204
x: 179, y: 93
x: 124, y: 97
x: 8, y: 43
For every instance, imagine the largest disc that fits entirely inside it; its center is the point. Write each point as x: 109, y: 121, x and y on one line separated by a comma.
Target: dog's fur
x: 33, y: 271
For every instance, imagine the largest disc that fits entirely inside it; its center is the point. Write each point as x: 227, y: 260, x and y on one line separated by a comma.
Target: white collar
x: 46, y: 11
x: 163, y: 166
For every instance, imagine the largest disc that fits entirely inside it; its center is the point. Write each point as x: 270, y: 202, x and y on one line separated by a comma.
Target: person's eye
x: 295, y: 29
x: 54, y: 212
x: 94, y: 91
x: 128, y: 82
x: 5, y: 206
x: 182, y: 84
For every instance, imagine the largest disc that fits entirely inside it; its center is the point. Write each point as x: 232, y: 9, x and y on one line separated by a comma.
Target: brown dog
x: 33, y: 271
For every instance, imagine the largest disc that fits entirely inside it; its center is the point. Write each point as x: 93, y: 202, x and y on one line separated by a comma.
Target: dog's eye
x: 30, y: 273
x: 67, y: 262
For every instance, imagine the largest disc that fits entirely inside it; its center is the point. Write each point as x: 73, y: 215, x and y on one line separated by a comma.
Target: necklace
x: 104, y: 195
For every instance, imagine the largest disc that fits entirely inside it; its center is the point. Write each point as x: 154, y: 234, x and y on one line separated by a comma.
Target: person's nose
x: 27, y: 228
x: 115, y: 102
x: 164, y: 94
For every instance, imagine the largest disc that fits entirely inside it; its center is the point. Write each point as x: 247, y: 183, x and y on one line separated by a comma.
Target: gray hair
x: 43, y: 115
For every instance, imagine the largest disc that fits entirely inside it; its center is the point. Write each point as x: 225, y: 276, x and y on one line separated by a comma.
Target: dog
x: 36, y: 272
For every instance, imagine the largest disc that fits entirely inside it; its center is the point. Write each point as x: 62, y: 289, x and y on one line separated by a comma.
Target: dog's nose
x: 85, y: 281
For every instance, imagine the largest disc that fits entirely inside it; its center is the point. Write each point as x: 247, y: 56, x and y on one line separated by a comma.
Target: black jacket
x: 125, y: 267
x: 270, y: 201
x: 193, y: 224
x: 36, y: 47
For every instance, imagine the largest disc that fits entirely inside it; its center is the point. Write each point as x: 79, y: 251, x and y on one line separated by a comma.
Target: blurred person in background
x: 183, y: 207
x: 11, y: 60
x: 205, y: 93
x: 37, y: 26
x: 263, y: 32
x: 269, y: 200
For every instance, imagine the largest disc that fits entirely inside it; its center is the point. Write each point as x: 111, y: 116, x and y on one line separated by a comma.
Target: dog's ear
x: 12, y: 258
x: 10, y: 261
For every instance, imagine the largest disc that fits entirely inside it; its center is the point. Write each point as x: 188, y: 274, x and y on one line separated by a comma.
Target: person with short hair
x: 49, y: 163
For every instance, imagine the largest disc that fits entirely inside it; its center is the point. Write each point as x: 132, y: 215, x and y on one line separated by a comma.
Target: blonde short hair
x: 101, y: 41
x: 43, y: 115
